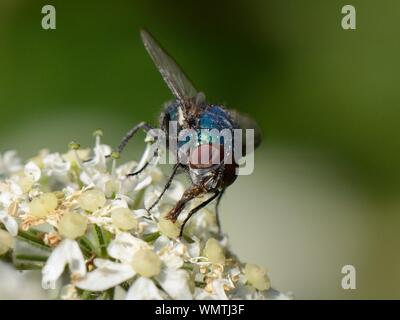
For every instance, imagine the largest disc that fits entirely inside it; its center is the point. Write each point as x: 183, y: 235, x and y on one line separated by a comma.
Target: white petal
x: 76, y: 262
x: 107, y: 276
x: 143, y: 289
x: 161, y: 242
x: 119, y: 293
x: 150, y: 196
x: 177, y: 190
x: 194, y: 248
x: 119, y: 203
x: 15, y: 188
x: 145, y: 156
x: 98, y: 262
x: 124, y: 246
x: 140, y: 213
x: 32, y: 170
x: 55, y: 164
x: 67, y: 252
x: 10, y: 223
x: 55, y: 265
x: 85, y: 178
x: 143, y: 183
x: 172, y: 261
x: 175, y: 283
x: 218, y: 286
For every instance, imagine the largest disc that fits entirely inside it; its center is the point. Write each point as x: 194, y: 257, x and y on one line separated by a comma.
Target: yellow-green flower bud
x: 257, y: 276
x: 214, y: 252
x: 146, y: 263
x: 74, y: 145
x: 123, y: 219
x: 72, y: 225
x: 91, y: 200
x: 168, y: 228
x: 43, y: 205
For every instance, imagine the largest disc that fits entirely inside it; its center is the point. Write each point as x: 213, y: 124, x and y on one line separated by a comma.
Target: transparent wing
x: 243, y: 121
x: 176, y: 80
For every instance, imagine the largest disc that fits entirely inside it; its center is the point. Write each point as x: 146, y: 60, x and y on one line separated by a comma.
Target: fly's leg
x: 141, y: 126
x: 217, y: 210
x: 132, y: 174
x: 194, y: 210
x: 188, y: 195
x: 167, y: 185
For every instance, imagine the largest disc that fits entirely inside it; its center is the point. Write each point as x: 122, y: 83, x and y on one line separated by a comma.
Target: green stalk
x: 87, y: 244
x: 100, y: 239
x: 33, y: 240
x: 31, y: 257
x: 151, y: 236
x: 28, y: 266
x: 86, y: 295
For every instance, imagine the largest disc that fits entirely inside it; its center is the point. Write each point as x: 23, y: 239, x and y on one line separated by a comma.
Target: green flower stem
x: 29, y: 257
x: 151, y: 236
x: 107, y: 295
x: 187, y: 266
x: 86, y: 295
x: 87, y: 246
x: 28, y: 266
x: 138, y: 200
x: 100, y: 239
x: 33, y: 240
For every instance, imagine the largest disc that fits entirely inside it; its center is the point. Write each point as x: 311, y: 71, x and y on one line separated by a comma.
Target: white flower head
x: 118, y: 242
x: 55, y: 165
x: 9, y: 163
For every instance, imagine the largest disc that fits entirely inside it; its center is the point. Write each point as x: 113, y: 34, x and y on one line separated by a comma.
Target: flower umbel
x: 82, y: 216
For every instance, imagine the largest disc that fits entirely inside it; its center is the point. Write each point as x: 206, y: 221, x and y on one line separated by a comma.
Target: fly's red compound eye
x: 205, y: 156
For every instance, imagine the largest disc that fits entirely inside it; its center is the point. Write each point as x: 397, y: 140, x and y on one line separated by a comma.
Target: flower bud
x: 72, y: 225
x: 123, y: 219
x: 115, y: 155
x: 257, y: 276
x: 146, y: 263
x: 74, y: 145
x: 168, y: 228
x: 91, y: 200
x: 214, y: 252
x: 43, y: 205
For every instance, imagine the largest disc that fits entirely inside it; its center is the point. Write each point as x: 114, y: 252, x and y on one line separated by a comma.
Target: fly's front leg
x: 141, y: 126
x: 167, y: 185
x: 188, y: 195
x: 217, y: 210
x: 194, y: 210
x: 135, y: 173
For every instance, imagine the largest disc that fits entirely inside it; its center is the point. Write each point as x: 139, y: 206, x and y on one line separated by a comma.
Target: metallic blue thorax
x: 214, y: 117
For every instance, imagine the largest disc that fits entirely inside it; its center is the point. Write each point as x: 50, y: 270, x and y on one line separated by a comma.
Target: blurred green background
x: 325, y: 192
